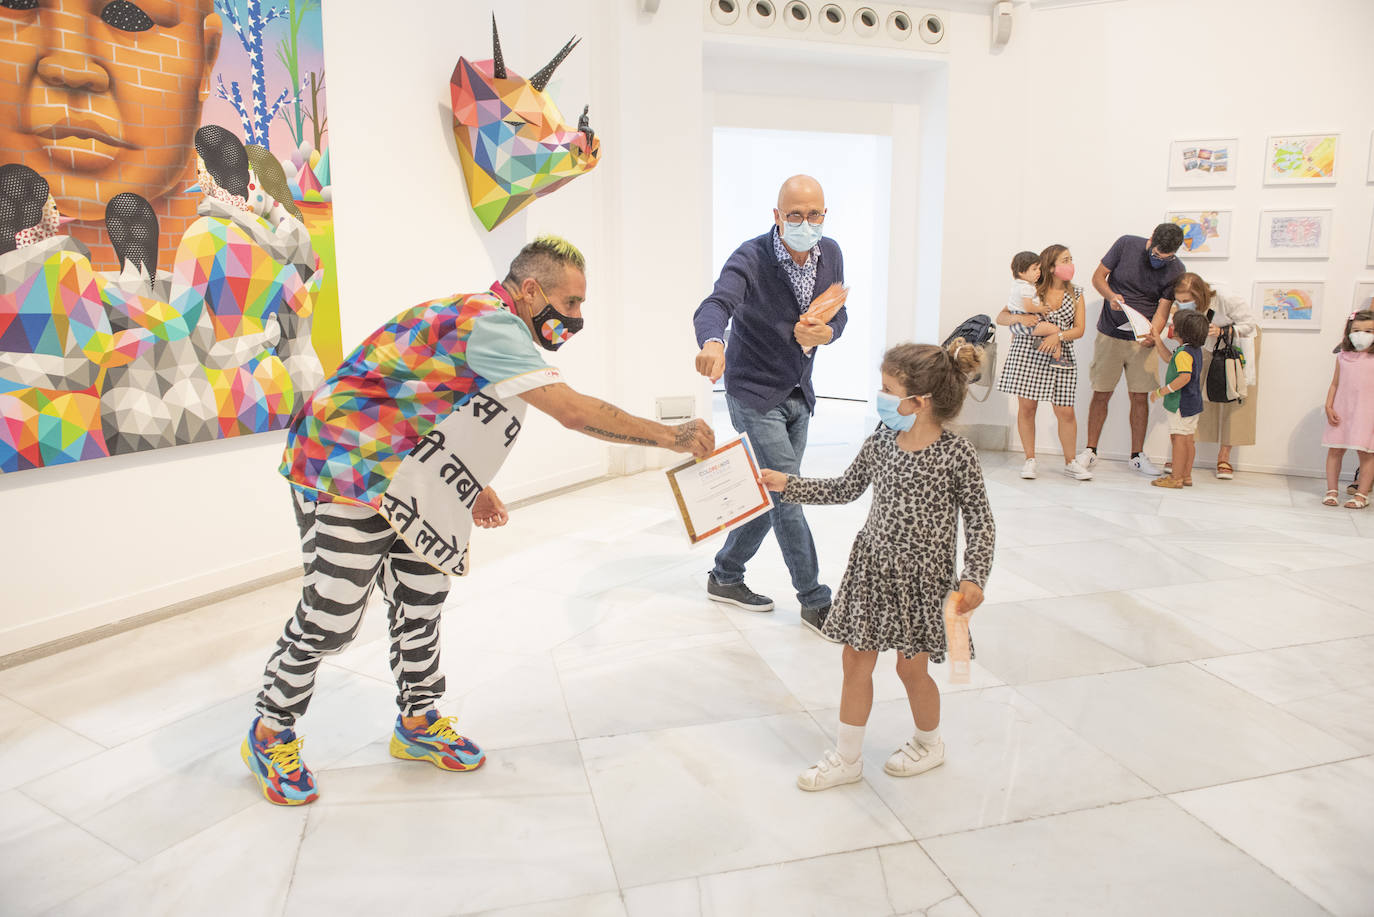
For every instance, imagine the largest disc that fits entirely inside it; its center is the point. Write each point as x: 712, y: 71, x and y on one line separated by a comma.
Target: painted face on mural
x: 108, y: 94
x: 513, y: 142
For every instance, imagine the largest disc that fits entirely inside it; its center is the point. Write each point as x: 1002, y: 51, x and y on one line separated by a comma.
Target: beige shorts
x: 1112, y: 356
x: 1182, y: 426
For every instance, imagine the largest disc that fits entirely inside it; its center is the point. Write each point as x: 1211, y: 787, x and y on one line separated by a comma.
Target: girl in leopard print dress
x: 902, y: 564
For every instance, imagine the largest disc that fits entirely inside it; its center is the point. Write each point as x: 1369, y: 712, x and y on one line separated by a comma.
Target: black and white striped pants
x: 347, y: 550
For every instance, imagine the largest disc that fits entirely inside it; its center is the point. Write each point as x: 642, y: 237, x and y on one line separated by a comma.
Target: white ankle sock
x: 849, y: 742
x: 928, y: 738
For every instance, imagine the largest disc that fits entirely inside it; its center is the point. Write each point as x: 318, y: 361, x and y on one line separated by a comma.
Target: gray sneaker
x: 814, y: 618
x: 737, y: 594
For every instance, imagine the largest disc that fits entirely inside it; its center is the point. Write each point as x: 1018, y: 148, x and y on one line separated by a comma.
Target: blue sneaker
x: 284, y: 778
x: 436, y: 743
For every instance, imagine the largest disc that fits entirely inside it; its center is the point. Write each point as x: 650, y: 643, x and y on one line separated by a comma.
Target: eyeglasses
x: 814, y: 217
x: 1161, y: 256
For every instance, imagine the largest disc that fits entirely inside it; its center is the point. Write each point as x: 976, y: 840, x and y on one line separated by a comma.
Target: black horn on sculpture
x: 498, y: 62
x: 541, y: 79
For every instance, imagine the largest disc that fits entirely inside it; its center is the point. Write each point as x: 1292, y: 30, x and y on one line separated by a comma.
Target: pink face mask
x: 1064, y: 272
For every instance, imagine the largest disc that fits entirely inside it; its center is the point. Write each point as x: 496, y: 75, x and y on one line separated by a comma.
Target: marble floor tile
x: 1312, y: 827
x: 1110, y: 565
x: 603, y: 904
x: 1137, y: 628
x: 705, y: 799
x: 1146, y: 857
x: 956, y: 906
x: 812, y: 668
x: 1179, y: 728
x: 633, y: 613
x: 32, y: 745
x: 129, y: 684
x: 156, y: 791
x: 371, y: 775
x: 1005, y: 760
x: 1343, y: 714
x: 241, y: 865
x: 1262, y: 611
x: 1050, y: 525
x: 656, y: 684
x: 1261, y: 551
x: 474, y: 854
x: 1019, y: 646
x: 1350, y: 585
x: 38, y: 850
x: 1297, y: 519
x: 1295, y: 673
x: 861, y: 883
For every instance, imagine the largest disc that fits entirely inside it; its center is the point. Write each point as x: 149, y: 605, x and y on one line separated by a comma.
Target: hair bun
x: 966, y: 357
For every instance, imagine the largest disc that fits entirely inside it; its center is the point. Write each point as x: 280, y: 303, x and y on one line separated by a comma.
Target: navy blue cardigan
x: 764, y: 362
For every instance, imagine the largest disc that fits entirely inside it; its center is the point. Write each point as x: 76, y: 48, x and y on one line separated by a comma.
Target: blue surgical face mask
x: 887, y: 412
x: 1157, y: 262
x: 803, y: 236
x: 1185, y: 305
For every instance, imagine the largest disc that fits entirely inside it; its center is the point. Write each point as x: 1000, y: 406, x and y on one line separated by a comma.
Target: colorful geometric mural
x: 512, y: 140
x: 166, y: 227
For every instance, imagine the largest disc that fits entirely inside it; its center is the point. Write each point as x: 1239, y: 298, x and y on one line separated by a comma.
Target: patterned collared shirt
x: 802, y: 276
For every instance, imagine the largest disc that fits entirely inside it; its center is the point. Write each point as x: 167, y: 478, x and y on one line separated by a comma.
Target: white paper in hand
x: 1138, y: 323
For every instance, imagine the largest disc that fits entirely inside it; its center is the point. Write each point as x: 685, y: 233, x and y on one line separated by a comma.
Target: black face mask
x: 551, y: 327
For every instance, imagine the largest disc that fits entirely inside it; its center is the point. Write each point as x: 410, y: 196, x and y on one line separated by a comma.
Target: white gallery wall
x: 1061, y: 137
x: 1065, y: 136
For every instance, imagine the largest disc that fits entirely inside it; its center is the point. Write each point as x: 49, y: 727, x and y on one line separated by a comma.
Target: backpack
x: 980, y: 331
x: 1226, y: 375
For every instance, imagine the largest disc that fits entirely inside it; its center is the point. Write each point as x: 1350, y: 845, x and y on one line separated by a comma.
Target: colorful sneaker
x: 284, y: 778
x: 436, y: 743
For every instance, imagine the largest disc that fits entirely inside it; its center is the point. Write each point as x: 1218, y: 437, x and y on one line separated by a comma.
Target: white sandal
x: 1332, y: 498
x: 1359, y: 501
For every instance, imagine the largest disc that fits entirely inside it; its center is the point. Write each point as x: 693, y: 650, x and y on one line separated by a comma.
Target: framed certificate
x: 716, y: 493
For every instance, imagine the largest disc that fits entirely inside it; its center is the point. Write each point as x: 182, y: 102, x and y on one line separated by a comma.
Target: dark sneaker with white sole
x: 814, y: 618
x: 737, y: 594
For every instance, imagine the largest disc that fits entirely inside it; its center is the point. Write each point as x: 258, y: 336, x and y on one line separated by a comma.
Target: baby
x: 1023, y: 300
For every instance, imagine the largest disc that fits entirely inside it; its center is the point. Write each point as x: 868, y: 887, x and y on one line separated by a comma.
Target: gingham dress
x: 1027, y: 372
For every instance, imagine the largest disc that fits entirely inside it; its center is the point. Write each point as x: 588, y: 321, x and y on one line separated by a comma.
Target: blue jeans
x: 779, y: 439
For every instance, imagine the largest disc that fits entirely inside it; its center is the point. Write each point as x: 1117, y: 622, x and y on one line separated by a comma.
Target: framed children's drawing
x: 1206, y: 233
x: 1294, y: 234
x: 1301, y: 159
x: 1289, y: 306
x: 1202, y: 163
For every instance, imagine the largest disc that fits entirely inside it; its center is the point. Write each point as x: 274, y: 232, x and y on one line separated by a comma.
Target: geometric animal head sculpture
x: 512, y: 140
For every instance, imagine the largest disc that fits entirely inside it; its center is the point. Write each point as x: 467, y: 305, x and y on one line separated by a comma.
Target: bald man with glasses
x: 761, y: 294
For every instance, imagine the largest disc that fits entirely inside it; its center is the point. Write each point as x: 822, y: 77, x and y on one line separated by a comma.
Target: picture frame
x: 1203, y: 163
x: 1206, y: 233
x: 1294, y: 305
x: 1301, y: 159
x: 1364, y: 296
x: 1369, y: 255
x: 1294, y: 234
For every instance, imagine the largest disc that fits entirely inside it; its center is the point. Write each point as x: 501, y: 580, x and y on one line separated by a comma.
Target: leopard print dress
x: 903, y: 561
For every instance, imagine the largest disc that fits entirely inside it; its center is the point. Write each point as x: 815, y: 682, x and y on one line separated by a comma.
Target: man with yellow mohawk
x: 389, y: 463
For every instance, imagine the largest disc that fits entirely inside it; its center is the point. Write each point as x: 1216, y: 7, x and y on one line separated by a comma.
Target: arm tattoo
x: 684, y: 434
x: 619, y: 437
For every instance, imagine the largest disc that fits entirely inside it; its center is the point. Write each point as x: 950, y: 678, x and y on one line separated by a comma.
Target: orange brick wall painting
x: 103, y: 97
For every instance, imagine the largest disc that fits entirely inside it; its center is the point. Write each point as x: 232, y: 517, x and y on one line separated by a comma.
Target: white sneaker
x: 831, y: 770
x: 1087, y: 458
x: 1077, y: 471
x: 915, y: 758
x: 1145, y: 466
x: 1028, y: 470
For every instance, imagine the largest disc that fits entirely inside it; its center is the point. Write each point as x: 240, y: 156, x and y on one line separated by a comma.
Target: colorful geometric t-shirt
x: 352, y: 434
